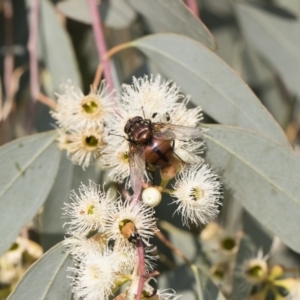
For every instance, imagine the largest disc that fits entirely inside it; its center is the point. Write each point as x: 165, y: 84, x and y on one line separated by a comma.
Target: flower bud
x: 151, y: 196
x: 255, y: 270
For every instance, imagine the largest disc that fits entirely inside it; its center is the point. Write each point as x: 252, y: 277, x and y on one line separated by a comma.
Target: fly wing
x: 171, y: 131
x: 137, y: 168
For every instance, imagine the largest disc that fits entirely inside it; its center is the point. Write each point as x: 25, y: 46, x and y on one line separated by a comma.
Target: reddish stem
x: 100, y: 42
x: 193, y: 6
x: 140, y: 251
x: 32, y: 48
x: 9, y: 58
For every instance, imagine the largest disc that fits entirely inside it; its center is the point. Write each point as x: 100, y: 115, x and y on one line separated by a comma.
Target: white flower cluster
x: 80, y: 120
x: 96, y: 222
x: 149, y: 127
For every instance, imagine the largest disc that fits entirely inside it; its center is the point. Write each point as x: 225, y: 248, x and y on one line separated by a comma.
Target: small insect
x: 153, y: 144
x: 129, y: 231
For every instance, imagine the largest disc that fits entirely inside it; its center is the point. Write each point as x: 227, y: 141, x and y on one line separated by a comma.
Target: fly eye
x: 127, y: 127
x: 136, y: 119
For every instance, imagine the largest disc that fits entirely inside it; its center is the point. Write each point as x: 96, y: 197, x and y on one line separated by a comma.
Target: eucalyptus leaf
x: 174, y: 16
x: 57, y: 51
x: 277, y: 38
x: 211, y: 83
x: 28, y: 169
x: 262, y: 174
x: 117, y: 14
x: 75, y: 9
x: 47, y: 278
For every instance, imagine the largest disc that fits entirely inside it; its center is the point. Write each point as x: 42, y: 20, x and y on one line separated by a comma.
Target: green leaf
x: 116, y: 14
x: 212, y: 84
x: 262, y: 174
x: 277, y: 38
x: 56, y: 48
x: 28, y: 169
x: 69, y: 177
x: 47, y: 278
x: 75, y: 9
x: 174, y: 16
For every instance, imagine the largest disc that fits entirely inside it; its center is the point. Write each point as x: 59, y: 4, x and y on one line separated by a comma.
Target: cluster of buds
x: 220, y: 249
x: 269, y: 281
x: 148, y: 126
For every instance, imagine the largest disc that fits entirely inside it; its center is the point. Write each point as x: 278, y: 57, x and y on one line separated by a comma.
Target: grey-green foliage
x: 117, y: 14
x: 262, y: 174
x: 174, y: 16
x: 256, y: 166
x: 28, y: 169
x: 47, y: 278
x: 276, y: 37
x: 56, y: 50
x: 210, y: 82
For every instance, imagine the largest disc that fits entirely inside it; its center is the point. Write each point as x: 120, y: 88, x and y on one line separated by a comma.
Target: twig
x: 100, y: 42
x: 9, y: 58
x: 140, y: 250
x: 105, y: 58
x: 46, y: 100
x: 32, y: 48
x: 193, y: 6
x: 178, y: 252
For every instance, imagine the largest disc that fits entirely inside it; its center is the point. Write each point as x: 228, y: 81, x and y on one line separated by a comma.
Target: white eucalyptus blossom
x: 95, y: 277
x: 153, y: 100
x: 125, y: 259
x: 115, y: 155
x: 82, y: 146
x: 88, y: 211
x: 198, y: 194
x: 255, y: 270
x: 76, y: 111
x: 219, y: 245
x: 80, y: 246
x: 165, y: 294
x: 136, y: 214
x: 151, y: 95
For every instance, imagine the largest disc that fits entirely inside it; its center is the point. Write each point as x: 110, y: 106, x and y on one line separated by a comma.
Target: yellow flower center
x: 90, y: 209
x: 219, y: 274
x: 91, y: 141
x: 228, y: 243
x: 90, y: 106
x: 196, y: 194
x: 14, y: 247
x: 255, y: 271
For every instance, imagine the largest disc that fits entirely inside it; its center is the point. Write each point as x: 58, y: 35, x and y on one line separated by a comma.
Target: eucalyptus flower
x: 95, y: 277
x: 77, y: 111
x: 131, y: 221
x: 198, y: 192
x: 82, y: 146
x: 88, y: 211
